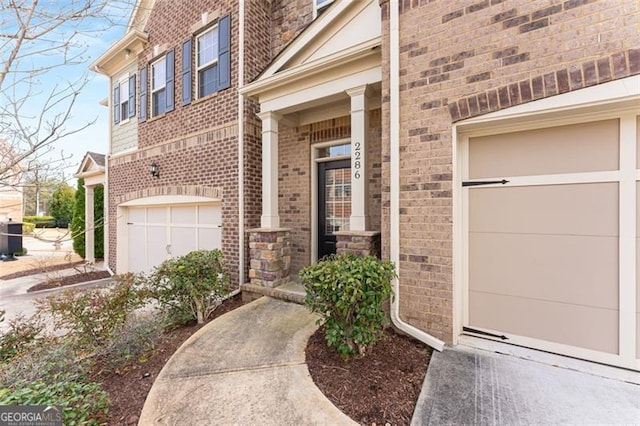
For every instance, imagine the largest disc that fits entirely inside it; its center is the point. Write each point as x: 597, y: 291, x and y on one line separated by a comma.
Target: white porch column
x: 270, y: 217
x: 89, y: 225
x: 359, y: 220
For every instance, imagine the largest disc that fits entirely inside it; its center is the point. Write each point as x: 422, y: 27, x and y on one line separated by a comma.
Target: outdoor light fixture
x: 153, y: 168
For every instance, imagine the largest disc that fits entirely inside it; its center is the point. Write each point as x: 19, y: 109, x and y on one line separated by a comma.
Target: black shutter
x: 224, y: 52
x: 170, y: 86
x: 132, y: 95
x: 186, y: 72
x: 143, y: 94
x: 116, y: 104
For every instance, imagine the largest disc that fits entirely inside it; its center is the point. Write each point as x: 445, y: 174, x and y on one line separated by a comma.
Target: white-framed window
x: 158, y: 87
x: 319, y: 6
x: 124, y: 101
x: 207, y: 45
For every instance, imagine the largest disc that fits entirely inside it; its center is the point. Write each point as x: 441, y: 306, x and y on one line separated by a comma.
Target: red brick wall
x: 464, y: 58
x: 289, y: 18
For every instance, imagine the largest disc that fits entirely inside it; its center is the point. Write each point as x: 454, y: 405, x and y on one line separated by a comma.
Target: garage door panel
x: 209, y: 239
x: 183, y: 241
x: 157, y: 215
x: 584, y: 147
x: 137, y: 255
x: 575, y: 325
x: 183, y: 215
x: 137, y: 215
x: 581, y: 270
x: 581, y: 209
x: 157, y: 245
x: 209, y: 215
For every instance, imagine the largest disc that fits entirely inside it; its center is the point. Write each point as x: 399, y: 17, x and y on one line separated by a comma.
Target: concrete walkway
x: 470, y: 386
x: 245, y: 368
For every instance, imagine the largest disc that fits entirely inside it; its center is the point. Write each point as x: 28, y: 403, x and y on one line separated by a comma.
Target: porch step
x: 291, y: 292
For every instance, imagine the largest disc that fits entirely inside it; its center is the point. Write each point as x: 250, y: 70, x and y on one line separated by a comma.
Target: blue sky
x: 87, y: 108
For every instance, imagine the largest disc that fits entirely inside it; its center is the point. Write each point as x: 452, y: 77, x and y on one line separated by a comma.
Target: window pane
x: 159, y: 102
x: 158, y: 74
x: 208, y: 47
x: 207, y: 81
x: 124, y: 110
x: 335, y: 151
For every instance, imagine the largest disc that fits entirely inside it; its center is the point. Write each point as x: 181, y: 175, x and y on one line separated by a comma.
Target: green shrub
x: 20, y: 337
x: 93, y: 316
x: 28, y: 228
x: 78, y: 225
x: 191, y: 286
x: 23, y: 252
x: 50, y: 357
x: 83, y: 403
x: 40, y: 221
x: 138, y: 336
x: 348, y: 291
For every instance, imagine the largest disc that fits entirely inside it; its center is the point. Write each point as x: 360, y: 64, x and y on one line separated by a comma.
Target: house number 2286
x: 357, y: 156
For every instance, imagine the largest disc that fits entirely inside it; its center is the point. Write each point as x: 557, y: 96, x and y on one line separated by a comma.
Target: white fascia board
x: 302, y: 98
x: 311, y: 69
x: 115, y: 58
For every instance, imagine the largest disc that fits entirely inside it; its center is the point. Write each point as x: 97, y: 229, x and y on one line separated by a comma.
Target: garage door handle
x: 484, y: 333
x: 484, y: 182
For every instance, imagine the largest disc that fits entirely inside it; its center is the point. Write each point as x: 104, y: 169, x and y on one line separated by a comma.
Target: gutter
x: 241, y: 252
x: 394, y: 151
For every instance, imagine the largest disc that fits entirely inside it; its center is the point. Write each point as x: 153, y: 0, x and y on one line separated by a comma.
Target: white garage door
x: 551, y: 233
x: 157, y: 233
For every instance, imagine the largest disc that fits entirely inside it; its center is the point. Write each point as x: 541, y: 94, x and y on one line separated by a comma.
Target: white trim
x: 153, y: 90
x: 161, y: 200
x: 316, y: 27
x: 627, y: 239
x: 297, y: 100
x: 203, y: 67
x: 317, y: 8
x: 558, y: 111
x: 241, y: 238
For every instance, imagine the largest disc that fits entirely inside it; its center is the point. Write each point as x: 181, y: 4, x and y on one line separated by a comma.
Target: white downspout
x: 394, y: 151
x: 105, y: 202
x: 240, y: 144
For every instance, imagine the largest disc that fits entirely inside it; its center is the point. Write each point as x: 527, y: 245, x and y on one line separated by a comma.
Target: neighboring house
x: 92, y: 171
x: 490, y: 149
x: 11, y: 199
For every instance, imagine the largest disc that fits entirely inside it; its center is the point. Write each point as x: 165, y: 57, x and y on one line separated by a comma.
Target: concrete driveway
x: 477, y: 387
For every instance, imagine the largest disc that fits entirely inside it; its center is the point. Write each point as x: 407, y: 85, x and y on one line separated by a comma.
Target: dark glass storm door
x: 334, y: 203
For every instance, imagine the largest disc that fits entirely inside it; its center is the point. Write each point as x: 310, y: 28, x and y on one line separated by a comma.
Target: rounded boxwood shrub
x: 191, y: 286
x: 348, y: 292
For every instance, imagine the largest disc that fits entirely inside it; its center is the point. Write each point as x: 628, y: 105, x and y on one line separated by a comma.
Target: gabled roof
x: 344, y: 25
x: 92, y: 164
x: 347, y: 31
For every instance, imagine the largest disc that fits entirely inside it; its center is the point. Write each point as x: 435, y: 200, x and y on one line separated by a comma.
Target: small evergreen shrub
x: 40, y: 221
x: 191, y: 286
x: 93, y: 316
x: 348, y: 292
x: 28, y: 228
x: 83, y: 402
x: 21, y: 336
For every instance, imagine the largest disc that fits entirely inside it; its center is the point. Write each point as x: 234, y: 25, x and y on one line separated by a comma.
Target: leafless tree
x: 39, y: 41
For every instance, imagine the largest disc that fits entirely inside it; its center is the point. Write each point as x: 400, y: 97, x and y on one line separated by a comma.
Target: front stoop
x: 290, y: 292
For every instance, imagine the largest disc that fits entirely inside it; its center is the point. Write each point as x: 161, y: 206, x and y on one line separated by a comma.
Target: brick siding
x: 521, y: 51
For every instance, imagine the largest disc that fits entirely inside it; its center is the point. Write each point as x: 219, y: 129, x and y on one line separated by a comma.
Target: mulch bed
x: 380, y: 388
x: 42, y: 270
x: 129, y: 385
x: 69, y: 280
